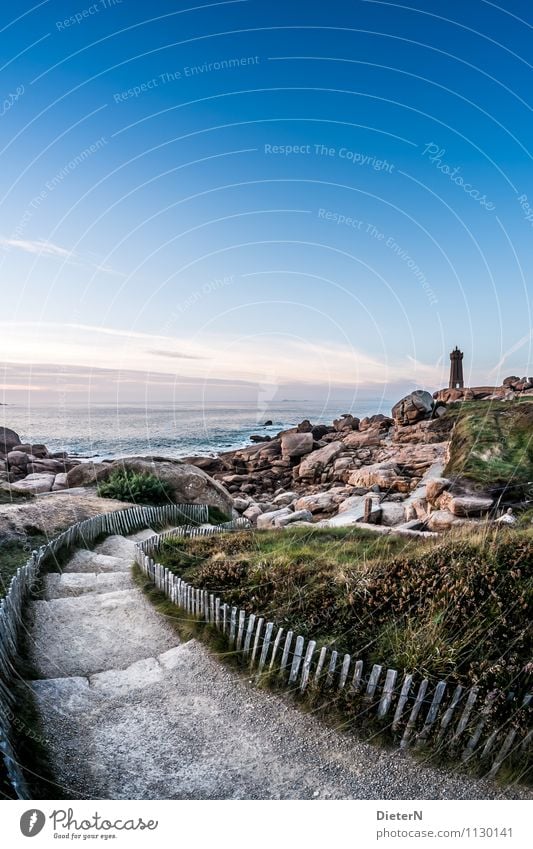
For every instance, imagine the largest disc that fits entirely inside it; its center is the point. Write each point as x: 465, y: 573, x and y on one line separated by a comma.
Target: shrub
x: 138, y: 487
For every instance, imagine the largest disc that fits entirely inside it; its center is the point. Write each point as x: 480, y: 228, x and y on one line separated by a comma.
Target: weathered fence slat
x: 448, y: 713
x: 463, y: 722
x: 388, y: 690
x: 276, y: 647
x: 331, y: 669
x: 320, y: 664
x: 258, y: 629
x: 249, y: 632
x: 285, y: 655
x: 489, y: 743
x: 373, y: 681
x: 296, y: 659
x: 307, y: 664
x: 504, y: 751
x: 232, y: 626
x: 438, y: 695
x: 344, y: 671
x: 357, y: 677
x: 404, y: 742
x: 240, y: 631
x: 266, y: 644
x: 475, y: 737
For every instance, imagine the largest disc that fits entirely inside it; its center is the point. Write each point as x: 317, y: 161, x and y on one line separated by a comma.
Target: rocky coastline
x: 381, y: 472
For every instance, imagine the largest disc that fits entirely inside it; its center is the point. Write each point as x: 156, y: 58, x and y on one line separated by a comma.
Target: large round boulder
x: 188, y: 484
x: 8, y: 440
x: 86, y: 474
x: 413, y: 408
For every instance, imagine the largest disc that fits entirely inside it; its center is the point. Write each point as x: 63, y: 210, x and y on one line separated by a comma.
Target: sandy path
x: 130, y: 713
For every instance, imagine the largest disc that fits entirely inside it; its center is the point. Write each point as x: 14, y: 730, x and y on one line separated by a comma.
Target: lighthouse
x: 456, y: 369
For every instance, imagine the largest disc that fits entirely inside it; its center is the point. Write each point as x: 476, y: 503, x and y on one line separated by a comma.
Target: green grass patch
x: 492, y: 446
x: 14, y: 552
x: 458, y: 607
x: 9, y: 496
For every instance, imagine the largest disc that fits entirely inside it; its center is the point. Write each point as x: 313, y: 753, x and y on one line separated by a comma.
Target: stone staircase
x: 92, y: 618
x: 127, y: 712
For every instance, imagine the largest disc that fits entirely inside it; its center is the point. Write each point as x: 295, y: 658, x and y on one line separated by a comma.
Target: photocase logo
x: 32, y: 822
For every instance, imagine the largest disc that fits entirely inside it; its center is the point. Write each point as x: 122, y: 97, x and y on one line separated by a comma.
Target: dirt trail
x: 130, y: 713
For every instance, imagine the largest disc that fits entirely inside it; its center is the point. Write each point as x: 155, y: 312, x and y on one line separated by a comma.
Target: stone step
x: 93, y: 561
x: 74, y: 695
x: 79, y: 583
x: 117, y: 546
x: 140, y: 536
x: 93, y: 632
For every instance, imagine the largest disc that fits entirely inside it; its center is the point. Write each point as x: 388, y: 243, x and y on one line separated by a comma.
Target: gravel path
x: 130, y: 713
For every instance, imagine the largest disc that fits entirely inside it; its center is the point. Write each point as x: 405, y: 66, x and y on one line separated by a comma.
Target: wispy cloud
x: 35, y: 246
x: 41, y: 247
x: 174, y: 355
x: 225, y: 357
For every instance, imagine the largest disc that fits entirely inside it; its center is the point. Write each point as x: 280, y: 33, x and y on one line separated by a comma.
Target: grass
x: 14, y: 552
x: 458, y: 607
x: 9, y: 496
x: 492, y: 446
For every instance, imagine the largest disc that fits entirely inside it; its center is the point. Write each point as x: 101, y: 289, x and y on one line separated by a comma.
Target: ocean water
x: 106, y: 432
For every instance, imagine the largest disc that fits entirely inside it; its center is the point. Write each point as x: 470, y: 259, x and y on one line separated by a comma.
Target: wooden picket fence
x: 450, y: 718
x: 82, y: 534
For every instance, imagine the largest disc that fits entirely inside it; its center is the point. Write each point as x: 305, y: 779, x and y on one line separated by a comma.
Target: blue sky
x: 321, y: 198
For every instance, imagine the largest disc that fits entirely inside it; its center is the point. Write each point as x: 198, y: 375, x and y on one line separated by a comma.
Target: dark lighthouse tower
x: 456, y: 369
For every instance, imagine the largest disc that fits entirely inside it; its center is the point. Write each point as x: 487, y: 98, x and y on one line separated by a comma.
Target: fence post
x: 232, y: 626
x: 472, y: 696
x: 344, y: 671
x: 404, y: 743
x: 258, y: 629
x: 373, y: 681
x: 438, y: 695
x: 388, y: 689
x: 276, y: 646
x: 320, y: 664
x: 307, y: 664
x: 404, y: 695
x: 242, y: 617
x: 266, y: 644
x: 249, y: 632
x: 331, y: 669
x: 296, y: 660
x: 504, y: 751
x: 285, y: 655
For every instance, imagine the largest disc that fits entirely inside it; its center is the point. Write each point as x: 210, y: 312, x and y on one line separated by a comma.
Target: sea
x: 105, y: 431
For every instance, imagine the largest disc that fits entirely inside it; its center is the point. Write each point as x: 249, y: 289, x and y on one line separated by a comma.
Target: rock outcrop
x: 188, y: 484
x: 316, y: 462
x: 296, y: 444
x: 8, y: 440
x: 376, y: 471
x: 415, y: 407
